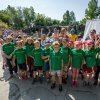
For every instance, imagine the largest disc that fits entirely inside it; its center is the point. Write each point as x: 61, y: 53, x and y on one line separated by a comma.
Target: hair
x: 36, y: 41
x: 55, y: 43
x: 29, y: 38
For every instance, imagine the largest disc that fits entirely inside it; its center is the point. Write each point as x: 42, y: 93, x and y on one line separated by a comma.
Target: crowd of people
x: 53, y: 55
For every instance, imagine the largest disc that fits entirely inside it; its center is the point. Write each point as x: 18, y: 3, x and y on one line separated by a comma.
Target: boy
x: 8, y: 49
x: 20, y: 56
x: 38, y: 61
x: 66, y: 59
x: 45, y: 57
x: 56, y: 65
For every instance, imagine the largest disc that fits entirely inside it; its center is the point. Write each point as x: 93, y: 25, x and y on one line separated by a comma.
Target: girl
x: 20, y: 56
x: 29, y: 47
x: 77, y: 56
x: 56, y: 65
x: 38, y: 62
x: 90, y: 59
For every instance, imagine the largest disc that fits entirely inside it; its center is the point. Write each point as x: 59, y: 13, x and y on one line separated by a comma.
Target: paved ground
x: 15, y: 89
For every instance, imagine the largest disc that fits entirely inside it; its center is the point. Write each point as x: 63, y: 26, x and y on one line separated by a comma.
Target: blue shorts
x: 46, y: 67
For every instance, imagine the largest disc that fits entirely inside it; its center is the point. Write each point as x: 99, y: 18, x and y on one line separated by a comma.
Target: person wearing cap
x: 45, y: 57
x: 66, y: 59
x: 56, y: 65
x: 90, y: 59
x: 36, y: 53
x: 20, y: 56
x: 70, y: 44
x: 8, y: 49
x: 77, y: 57
x: 29, y: 45
x: 72, y: 35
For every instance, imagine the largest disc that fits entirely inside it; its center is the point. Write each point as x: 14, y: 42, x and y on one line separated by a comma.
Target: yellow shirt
x: 72, y: 37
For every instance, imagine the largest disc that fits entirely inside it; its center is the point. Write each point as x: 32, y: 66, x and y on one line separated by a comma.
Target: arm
x: 13, y: 60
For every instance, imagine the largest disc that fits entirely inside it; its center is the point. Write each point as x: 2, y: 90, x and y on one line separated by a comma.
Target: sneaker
x: 65, y: 80
x: 76, y: 83
x: 48, y: 80
x: 53, y: 85
x: 34, y: 80
x: 60, y: 87
x: 40, y: 79
x: 72, y: 83
x: 95, y: 83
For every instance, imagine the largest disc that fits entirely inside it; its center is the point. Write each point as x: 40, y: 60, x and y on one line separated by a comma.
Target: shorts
x: 89, y: 69
x: 75, y: 71
x: 57, y: 72
x: 22, y: 66
x: 37, y: 68
x: 46, y: 67
x: 30, y: 61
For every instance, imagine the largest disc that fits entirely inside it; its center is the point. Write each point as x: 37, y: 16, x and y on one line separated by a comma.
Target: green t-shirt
x: 90, y: 57
x: 98, y: 56
x: 29, y: 48
x: 37, y: 54
x: 77, y: 56
x: 46, y: 52
x: 8, y: 48
x: 56, y: 60
x: 65, y: 52
x: 20, y: 54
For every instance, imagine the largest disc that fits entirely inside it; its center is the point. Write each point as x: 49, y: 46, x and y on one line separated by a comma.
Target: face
x: 8, y: 40
x: 77, y: 47
x: 37, y: 45
x: 29, y: 41
x: 55, y: 30
x: 56, y: 48
x: 19, y: 44
x: 47, y: 46
x: 89, y: 46
x: 71, y: 45
x: 65, y: 43
x: 92, y: 35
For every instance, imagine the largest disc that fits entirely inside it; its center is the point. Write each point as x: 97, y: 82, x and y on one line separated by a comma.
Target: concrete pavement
x: 15, y: 89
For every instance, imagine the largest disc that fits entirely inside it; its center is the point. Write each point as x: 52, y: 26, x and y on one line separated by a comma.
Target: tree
x: 68, y: 18
x: 90, y: 12
x: 72, y: 17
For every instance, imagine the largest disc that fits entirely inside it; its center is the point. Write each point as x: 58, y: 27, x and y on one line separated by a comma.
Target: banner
x: 91, y: 24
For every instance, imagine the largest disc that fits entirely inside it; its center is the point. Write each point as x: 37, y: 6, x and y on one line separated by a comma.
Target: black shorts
x: 22, y: 66
x: 37, y: 68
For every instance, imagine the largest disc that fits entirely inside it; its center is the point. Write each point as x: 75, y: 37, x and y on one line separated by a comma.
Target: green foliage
x: 68, y: 18
x: 91, y: 11
x: 3, y: 25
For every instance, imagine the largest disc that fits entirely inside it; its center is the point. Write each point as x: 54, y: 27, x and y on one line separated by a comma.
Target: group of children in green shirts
x: 54, y: 59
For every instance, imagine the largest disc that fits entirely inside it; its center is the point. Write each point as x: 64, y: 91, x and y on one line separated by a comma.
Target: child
x: 45, y: 57
x: 77, y: 56
x: 8, y: 49
x: 38, y: 62
x: 29, y: 47
x: 56, y: 65
x: 20, y: 56
x: 66, y: 59
x: 98, y: 65
x: 90, y: 59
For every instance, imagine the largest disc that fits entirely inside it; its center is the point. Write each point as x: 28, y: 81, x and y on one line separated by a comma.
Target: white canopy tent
x: 91, y: 24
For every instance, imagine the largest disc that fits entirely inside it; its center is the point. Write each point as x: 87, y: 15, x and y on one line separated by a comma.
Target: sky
x: 51, y: 8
